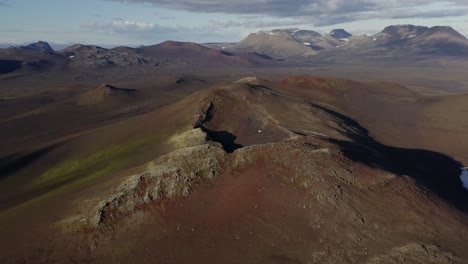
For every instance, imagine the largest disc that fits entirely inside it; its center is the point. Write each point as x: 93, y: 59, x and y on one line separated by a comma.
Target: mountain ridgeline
x: 395, y: 45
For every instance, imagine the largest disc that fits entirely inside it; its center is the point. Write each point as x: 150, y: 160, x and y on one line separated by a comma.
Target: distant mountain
x: 6, y: 45
x: 90, y: 55
x: 284, y: 43
x: 394, y: 45
x: 29, y: 59
x: 313, y: 39
x: 398, y: 33
x: 340, y: 34
x: 279, y: 44
x: 38, y: 46
x: 197, y: 54
x: 410, y: 39
x: 402, y: 45
x: 174, y: 48
x: 304, y: 36
x: 443, y: 40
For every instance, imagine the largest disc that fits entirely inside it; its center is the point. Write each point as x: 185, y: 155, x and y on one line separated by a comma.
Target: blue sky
x: 135, y: 22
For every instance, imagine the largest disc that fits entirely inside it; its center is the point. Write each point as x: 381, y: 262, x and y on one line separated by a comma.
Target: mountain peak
x: 445, y: 31
x: 173, y: 44
x: 404, y: 27
x: 340, y: 34
x: 276, y: 32
x: 395, y: 33
x: 291, y: 31
x: 278, y: 44
x: 38, y: 46
x: 398, y: 33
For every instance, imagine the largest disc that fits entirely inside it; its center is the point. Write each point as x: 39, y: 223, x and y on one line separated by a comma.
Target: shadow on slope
x: 15, y: 162
x: 435, y: 171
x: 7, y: 66
x: 226, y: 139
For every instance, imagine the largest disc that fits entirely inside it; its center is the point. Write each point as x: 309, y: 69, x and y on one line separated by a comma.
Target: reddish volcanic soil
x: 254, y: 171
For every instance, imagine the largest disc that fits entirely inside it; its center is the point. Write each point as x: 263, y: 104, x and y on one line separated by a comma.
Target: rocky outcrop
x: 172, y: 175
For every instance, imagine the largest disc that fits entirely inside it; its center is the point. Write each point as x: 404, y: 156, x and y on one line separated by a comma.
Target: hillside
x: 293, y: 165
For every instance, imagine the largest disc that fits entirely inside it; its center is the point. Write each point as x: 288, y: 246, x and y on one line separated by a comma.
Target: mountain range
x: 395, y: 45
x: 400, y: 41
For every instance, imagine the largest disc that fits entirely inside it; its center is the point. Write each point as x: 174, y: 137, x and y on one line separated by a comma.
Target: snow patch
x: 268, y: 33
x: 307, y: 43
x: 464, y: 177
x: 71, y: 57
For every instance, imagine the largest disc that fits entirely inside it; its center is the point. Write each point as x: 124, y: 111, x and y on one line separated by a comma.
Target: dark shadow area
x: 21, y: 197
x: 226, y: 139
x: 180, y: 80
x: 205, y: 117
x: 13, y: 163
x: 257, y: 87
x: 113, y: 88
x: 437, y: 172
x: 317, y: 47
x: 263, y: 56
x: 7, y: 66
x: 226, y: 53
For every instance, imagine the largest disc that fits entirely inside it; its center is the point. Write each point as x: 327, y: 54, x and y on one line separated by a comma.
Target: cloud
x: 167, y: 17
x: 152, y: 33
x: 119, y: 25
x: 433, y: 14
x: 251, y: 23
x: 321, y: 12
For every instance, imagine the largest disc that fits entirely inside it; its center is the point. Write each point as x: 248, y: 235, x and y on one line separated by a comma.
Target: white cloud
x: 122, y: 26
x: 321, y: 12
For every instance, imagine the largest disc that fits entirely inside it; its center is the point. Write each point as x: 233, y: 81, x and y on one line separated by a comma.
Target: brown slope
x: 29, y: 122
x: 195, y: 54
x: 394, y: 114
x: 293, y: 190
x: 107, y: 94
x: 27, y: 61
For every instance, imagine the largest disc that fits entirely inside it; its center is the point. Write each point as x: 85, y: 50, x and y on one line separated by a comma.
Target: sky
x: 146, y: 22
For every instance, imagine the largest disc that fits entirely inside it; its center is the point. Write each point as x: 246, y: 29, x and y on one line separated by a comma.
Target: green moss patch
x: 94, y: 166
